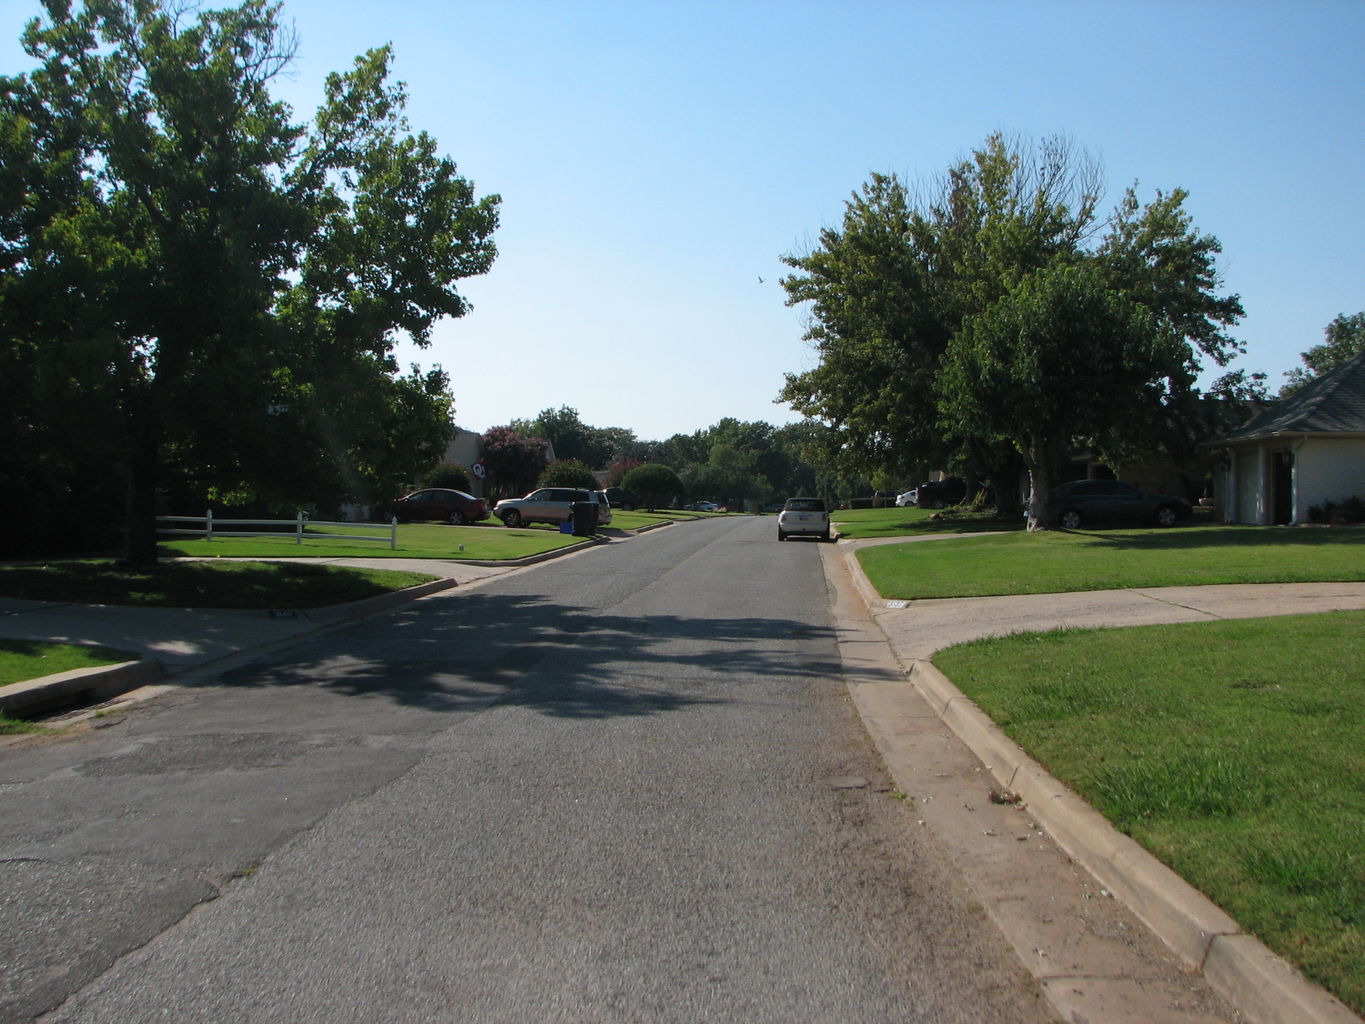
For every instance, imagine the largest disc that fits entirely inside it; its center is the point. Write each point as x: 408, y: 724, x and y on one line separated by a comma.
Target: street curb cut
x: 85, y: 686
x: 81, y: 685
x: 378, y: 603
x: 1237, y: 966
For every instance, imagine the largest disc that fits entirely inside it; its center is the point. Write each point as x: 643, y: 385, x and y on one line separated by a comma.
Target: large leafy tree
x: 182, y: 254
x: 574, y: 439
x: 912, y: 286
x: 874, y: 321
x: 654, y: 484
x: 1059, y: 355
x: 1344, y: 339
x: 567, y: 473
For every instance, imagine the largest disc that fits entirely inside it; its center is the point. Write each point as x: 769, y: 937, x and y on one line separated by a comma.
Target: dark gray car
x: 1089, y: 502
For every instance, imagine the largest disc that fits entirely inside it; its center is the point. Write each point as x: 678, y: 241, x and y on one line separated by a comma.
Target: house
x: 1303, y: 451
x: 465, y: 448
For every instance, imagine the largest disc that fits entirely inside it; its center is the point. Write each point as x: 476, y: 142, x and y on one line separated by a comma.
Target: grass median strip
x: 21, y: 660
x: 1231, y: 750
x: 208, y: 584
x: 1055, y: 562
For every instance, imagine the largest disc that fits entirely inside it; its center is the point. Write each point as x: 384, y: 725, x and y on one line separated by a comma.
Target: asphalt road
x: 621, y: 786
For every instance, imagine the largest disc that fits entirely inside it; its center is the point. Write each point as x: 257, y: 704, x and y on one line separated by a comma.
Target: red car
x: 442, y: 503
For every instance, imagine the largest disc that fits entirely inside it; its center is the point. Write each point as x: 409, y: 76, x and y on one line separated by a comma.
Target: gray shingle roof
x: 1333, y: 403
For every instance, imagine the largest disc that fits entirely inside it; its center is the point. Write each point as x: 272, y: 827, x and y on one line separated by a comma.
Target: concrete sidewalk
x: 1085, y: 973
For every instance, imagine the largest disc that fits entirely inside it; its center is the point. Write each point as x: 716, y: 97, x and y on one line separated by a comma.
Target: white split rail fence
x: 209, y: 523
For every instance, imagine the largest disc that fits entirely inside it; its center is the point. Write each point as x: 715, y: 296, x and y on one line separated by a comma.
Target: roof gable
x: 1330, y: 404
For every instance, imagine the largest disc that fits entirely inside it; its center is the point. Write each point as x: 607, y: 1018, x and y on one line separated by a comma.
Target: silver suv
x: 547, y: 505
x: 603, y: 508
x: 803, y: 515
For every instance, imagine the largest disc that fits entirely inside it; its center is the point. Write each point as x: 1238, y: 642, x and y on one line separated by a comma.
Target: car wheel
x: 825, y: 535
x: 457, y: 518
x: 1070, y: 519
x: 781, y: 535
x: 511, y: 518
x: 1166, y: 516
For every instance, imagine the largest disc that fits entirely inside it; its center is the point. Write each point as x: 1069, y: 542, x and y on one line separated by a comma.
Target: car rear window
x: 805, y: 505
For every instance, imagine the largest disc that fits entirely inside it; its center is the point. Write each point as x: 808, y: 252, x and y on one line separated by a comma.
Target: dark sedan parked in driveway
x: 443, y: 503
x: 1088, y: 502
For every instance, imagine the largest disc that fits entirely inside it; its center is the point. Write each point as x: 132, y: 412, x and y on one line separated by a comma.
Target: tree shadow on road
x: 462, y: 653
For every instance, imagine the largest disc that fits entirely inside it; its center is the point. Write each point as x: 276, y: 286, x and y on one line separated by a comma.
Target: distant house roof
x: 1331, y: 404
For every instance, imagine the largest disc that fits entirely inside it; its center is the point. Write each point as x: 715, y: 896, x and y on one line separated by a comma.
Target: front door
x: 1282, y: 488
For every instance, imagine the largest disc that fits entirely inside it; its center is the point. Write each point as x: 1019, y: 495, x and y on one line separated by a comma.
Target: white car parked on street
x: 806, y: 516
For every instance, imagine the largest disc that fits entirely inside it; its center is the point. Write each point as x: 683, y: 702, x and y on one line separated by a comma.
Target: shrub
x: 448, y: 474
x: 1348, y: 510
x: 654, y: 484
x: 568, y: 473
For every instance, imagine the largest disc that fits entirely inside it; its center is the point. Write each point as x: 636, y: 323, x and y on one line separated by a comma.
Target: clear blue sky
x: 657, y: 158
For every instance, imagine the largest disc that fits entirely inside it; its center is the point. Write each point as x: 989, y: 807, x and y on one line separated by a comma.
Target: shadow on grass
x: 1186, y: 538
x: 266, y: 585
x: 462, y: 654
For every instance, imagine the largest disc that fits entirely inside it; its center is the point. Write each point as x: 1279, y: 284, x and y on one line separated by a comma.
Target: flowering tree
x: 512, y: 462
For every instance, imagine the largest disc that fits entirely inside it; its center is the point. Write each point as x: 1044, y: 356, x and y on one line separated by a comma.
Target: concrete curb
x: 1236, y: 965
x: 81, y: 685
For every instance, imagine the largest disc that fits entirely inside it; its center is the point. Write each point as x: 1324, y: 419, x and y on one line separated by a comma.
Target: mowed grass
x: 21, y: 660
x: 863, y: 523
x: 210, y: 584
x: 28, y: 659
x: 486, y: 541
x: 1233, y: 751
x: 1055, y: 562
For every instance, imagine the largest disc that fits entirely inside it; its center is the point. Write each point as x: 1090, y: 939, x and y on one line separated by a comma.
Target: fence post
x: 393, y: 534
x: 298, y: 527
x: 208, y: 525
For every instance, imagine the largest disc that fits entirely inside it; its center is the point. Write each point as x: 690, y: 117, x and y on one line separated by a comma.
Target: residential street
x: 627, y: 785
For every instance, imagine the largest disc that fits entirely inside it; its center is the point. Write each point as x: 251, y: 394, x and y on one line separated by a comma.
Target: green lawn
x: 861, y: 523
x: 21, y: 660
x: 209, y: 584
x: 1232, y: 751
x: 486, y: 541
x: 1055, y: 562
x: 28, y: 659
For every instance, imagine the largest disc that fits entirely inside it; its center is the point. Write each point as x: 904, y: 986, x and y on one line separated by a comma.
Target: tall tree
x: 1059, y: 356
x: 893, y: 296
x: 574, y: 439
x: 1345, y: 338
x: 888, y: 291
x: 196, y: 258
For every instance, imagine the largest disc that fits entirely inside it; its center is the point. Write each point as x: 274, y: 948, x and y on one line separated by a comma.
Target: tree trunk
x: 140, y: 518
x: 1040, y: 486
